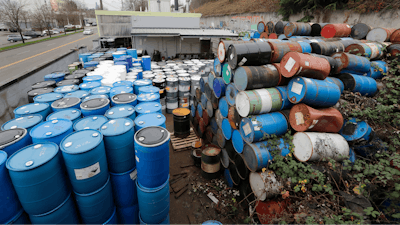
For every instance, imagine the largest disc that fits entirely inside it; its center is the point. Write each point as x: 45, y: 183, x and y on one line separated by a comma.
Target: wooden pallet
x: 183, y: 144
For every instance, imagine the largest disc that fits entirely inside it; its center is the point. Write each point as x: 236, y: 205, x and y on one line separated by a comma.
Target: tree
x: 61, y: 19
x: 134, y: 5
x: 25, y: 17
x: 12, y: 12
x: 37, y: 22
x: 46, y: 15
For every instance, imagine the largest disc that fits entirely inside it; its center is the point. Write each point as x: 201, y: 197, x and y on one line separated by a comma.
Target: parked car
x: 32, y: 34
x: 69, y: 26
x: 78, y: 26
x: 46, y: 32
x: 16, y: 37
x: 94, y: 24
x: 88, y: 31
x: 58, y: 30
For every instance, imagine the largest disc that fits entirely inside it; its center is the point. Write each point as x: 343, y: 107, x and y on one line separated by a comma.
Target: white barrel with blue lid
x: 65, y: 103
x: 14, y: 139
x: 89, y: 85
x: 42, y: 109
x: 101, y: 91
x: 149, y: 89
x: 66, y: 89
x: 27, y: 122
x: 77, y: 94
x: 92, y: 78
x: 148, y: 97
x: 51, y: 131
x: 48, y: 98
x: 85, y: 159
x: 119, y: 144
x: 97, y: 106
x: 38, y: 176
x: 96, y: 207
x: 120, y: 90
x: 90, y: 122
x: 148, y: 120
x: 123, y: 83
x: 141, y: 83
x: 9, y: 202
x: 124, y: 188
x: 90, y: 97
x: 152, y: 156
x: 121, y: 111
x: 69, y: 114
x: 148, y: 107
x: 54, y: 76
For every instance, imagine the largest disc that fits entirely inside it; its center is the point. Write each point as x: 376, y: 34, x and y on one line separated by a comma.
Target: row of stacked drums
x: 112, y: 175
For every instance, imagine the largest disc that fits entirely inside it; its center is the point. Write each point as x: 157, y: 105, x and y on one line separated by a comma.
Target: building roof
x: 160, y: 32
x: 153, y: 14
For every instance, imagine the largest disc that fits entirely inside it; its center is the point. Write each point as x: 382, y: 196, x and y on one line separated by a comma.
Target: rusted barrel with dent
x: 298, y: 64
x: 304, y: 118
x: 223, y: 47
x: 270, y: 27
x: 279, y: 49
x: 356, y: 83
x: 360, y: 31
x: 284, y: 80
x: 258, y: 101
x: 297, y: 29
x: 332, y: 62
x: 234, y: 117
x: 370, y: 50
x: 249, y: 54
x: 273, y: 36
x: 380, y: 34
x: 336, y: 30
x: 348, y: 42
x: 354, y: 63
x: 316, y: 29
x: 210, y: 162
x: 327, y: 48
x: 254, y: 77
x: 280, y: 26
x: 395, y: 37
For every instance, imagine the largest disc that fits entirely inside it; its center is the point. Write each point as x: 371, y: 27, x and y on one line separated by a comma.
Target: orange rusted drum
x: 395, y: 37
x: 206, y: 118
x: 264, y: 35
x: 209, y: 134
x: 283, y: 81
x: 380, y: 34
x: 271, y: 211
x: 279, y: 49
x: 234, y: 117
x: 336, y: 30
x: 273, y: 36
x: 197, y: 116
x: 294, y: 63
x: 202, y: 127
x: 304, y: 118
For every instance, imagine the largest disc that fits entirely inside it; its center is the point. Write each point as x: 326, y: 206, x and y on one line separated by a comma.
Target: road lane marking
x: 22, y: 60
x: 23, y: 52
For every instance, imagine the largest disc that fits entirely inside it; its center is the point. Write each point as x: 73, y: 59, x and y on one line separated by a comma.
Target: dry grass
x: 227, y: 7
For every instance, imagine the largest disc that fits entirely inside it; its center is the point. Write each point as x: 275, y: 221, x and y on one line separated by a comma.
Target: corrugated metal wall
x: 118, y: 26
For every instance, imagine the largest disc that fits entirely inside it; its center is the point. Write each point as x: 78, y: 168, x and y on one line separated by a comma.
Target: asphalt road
x: 5, y: 43
x: 16, y: 62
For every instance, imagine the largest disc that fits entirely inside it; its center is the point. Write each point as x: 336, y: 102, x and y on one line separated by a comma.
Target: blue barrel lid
x: 66, y: 89
x: 23, y: 122
x: 240, y: 79
x: 102, y: 90
x: 77, y: 94
x: 3, y: 157
x: 120, y: 111
x: 121, y: 89
x: 353, y: 130
x: 69, y: 114
x: 90, y: 97
x: 296, y: 89
x: 148, y: 97
x: 123, y: 83
x: 52, y: 128
x: 81, y: 141
x: 223, y: 106
x: 90, y: 122
x: 226, y: 129
x: 142, y: 82
x: 212, y: 222
x: 65, y: 103
x: 152, y: 136
x: 116, y: 126
x: 92, y: 78
x: 31, y: 108
x: 48, y: 97
x: 54, y: 75
x: 149, y: 89
x: 237, y: 141
x: 32, y: 156
x: 90, y: 85
x: 151, y: 119
x: 148, y: 107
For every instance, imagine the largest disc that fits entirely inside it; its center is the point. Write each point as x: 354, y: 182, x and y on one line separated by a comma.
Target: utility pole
x: 101, y: 4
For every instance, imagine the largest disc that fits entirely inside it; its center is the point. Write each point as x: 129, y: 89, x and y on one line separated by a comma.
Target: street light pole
x: 101, y: 4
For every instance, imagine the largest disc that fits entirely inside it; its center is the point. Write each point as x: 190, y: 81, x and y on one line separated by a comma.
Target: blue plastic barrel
x: 150, y: 119
x: 102, y: 90
x: 193, y: 110
x: 85, y: 158
x: 92, y: 78
x: 117, y: 55
x: 90, y: 97
x: 152, y: 156
x: 14, y: 139
x: 228, y: 178
x: 378, y: 69
x: 113, y: 219
x: 202, y: 83
x: 89, y: 85
x: 148, y: 107
x: 357, y: 83
x: 146, y: 63
x: 42, y: 109
x: 200, y: 110
x: 96, y: 207
x: 132, y: 52
x: 65, y: 213
x: 48, y: 98
x: 261, y: 127
x: 336, y: 81
x: 118, y: 141
x: 20, y: 218
x: 27, y: 122
x: 97, y: 106
x: 317, y: 93
x: 230, y: 94
x: 9, y: 202
x: 153, y: 203
x: 223, y: 106
x: 65, y: 103
x: 123, y: 83
x: 203, y: 101
x: 90, y: 122
x: 121, y: 111
x: 165, y: 221
x: 305, y: 47
x: 128, y: 215
x: 124, y: 98
x: 90, y: 64
x: 217, y: 68
x: 77, y: 94
x: 84, y: 57
x: 211, y: 77
x: 148, y: 97
x: 149, y: 89
x: 54, y: 76
x: 122, y: 49
x: 38, y: 177
x: 122, y: 63
x: 356, y: 63
x: 286, y: 104
x: 237, y: 141
x: 51, y: 131
x: 66, y: 89
x: 120, y: 89
x: 141, y: 83
x: 257, y: 155
x: 212, y: 222
x: 124, y: 188
x: 353, y: 130
x: 226, y: 129
x: 68, y: 114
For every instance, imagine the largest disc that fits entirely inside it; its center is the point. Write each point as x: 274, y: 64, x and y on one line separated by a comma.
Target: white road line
x: 23, y: 52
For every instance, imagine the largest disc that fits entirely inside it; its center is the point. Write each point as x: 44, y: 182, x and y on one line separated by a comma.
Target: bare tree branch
x: 11, y: 11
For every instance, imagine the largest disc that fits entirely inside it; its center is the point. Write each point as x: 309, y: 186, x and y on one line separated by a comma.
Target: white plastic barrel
x: 264, y: 184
